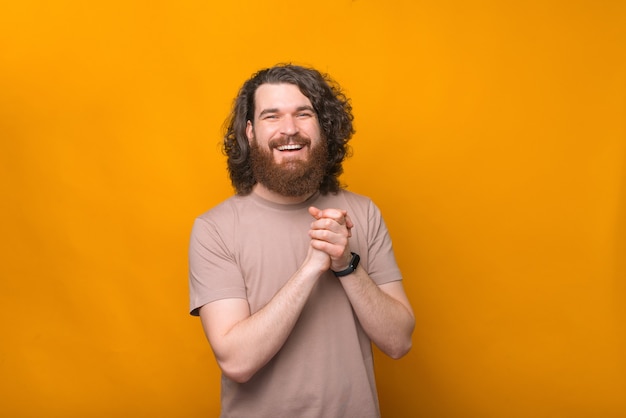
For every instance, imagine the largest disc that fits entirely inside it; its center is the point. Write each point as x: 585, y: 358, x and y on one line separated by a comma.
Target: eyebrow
x: 276, y: 110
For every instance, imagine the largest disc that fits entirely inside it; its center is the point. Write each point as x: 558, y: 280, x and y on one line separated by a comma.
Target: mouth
x: 290, y: 147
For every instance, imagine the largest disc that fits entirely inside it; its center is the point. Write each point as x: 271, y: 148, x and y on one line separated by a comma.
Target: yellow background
x: 491, y: 134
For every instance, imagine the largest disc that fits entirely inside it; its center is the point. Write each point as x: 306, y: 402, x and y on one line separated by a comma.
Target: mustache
x: 286, y: 140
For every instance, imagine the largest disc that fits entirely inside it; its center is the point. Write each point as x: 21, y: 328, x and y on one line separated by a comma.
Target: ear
x: 249, y: 131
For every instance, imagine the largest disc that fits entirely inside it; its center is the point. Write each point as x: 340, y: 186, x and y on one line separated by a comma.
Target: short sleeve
x: 213, y: 273
x: 382, y: 265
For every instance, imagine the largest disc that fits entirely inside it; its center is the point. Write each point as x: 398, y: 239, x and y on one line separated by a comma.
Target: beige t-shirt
x: 248, y: 248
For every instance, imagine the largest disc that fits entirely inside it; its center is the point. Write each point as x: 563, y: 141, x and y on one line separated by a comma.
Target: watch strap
x: 354, y: 262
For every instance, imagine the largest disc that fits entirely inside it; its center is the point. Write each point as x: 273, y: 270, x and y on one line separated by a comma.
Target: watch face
x: 355, y: 261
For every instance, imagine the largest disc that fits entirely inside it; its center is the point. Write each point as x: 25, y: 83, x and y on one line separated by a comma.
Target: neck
x: 267, y: 194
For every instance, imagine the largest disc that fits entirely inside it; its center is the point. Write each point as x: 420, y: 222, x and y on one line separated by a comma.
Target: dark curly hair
x: 334, y: 114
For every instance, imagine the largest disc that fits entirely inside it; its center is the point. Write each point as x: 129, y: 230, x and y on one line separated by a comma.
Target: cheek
x: 264, y: 133
x: 319, y: 137
x: 259, y: 136
x: 314, y: 131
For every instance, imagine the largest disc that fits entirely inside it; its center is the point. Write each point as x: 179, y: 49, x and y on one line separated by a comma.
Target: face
x: 288, y: 155
x: 285, y: 122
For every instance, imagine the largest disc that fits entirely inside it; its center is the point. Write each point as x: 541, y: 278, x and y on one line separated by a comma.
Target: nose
x: 289, y: 126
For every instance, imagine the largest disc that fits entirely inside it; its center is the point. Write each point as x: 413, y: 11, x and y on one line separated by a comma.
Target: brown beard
x: 290, y: 178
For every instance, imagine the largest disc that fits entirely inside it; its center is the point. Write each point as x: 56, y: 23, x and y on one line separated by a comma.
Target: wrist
x: 352, y: 265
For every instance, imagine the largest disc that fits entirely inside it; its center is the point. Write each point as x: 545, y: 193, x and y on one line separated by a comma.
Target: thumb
x: 315, y: 212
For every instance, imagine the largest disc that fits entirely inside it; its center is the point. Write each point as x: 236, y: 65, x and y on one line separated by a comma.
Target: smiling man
x: 294, y: 277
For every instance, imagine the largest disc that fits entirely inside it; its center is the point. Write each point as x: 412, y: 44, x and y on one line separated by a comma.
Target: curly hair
x: 334, y: 113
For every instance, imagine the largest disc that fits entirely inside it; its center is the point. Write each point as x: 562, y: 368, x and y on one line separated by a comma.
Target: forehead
x: 281, y: 97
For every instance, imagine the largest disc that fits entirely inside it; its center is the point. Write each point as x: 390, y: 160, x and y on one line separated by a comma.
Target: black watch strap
x: 353, y: 265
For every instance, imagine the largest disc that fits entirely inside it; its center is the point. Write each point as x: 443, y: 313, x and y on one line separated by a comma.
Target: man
x: 294, y: 277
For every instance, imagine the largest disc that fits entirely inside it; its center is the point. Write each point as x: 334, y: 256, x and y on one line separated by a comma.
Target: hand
x: 329, y: 233
x: 317, y: 260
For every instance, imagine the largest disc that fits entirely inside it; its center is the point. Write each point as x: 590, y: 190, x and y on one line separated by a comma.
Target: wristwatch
x: 353, y: 265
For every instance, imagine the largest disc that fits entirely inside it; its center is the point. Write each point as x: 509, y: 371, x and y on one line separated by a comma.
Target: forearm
x: 245, y: 347
x: 387, y: 318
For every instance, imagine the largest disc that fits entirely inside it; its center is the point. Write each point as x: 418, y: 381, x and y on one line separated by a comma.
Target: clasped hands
x: 329, y: 235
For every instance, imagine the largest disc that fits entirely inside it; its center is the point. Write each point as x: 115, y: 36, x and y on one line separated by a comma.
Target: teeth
x: 289, y: 147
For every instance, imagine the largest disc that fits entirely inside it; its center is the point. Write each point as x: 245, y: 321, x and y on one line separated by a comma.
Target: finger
x: 349, y: 225
x: 315, y: 212
x: 333, y: 250
x: 338, y: 215
x: 334, y: 238
x: 327, y: 224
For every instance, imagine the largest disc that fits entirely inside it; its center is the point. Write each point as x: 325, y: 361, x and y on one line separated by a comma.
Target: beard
x: 291, y: 178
